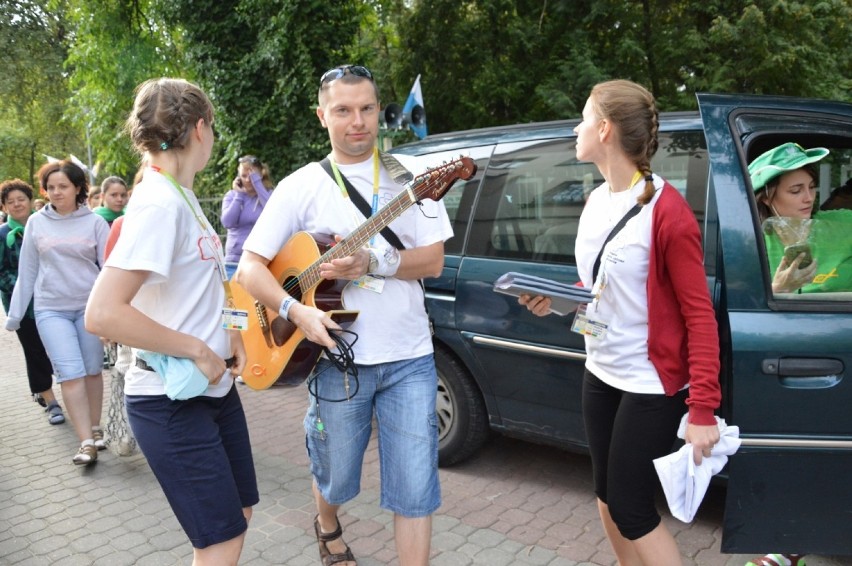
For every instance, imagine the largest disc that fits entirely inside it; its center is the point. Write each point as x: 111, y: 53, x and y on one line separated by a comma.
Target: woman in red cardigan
x: 651, y: 336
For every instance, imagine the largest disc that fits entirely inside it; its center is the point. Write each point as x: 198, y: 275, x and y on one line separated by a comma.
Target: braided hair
x: 164, y: 113
x: 632, y: 109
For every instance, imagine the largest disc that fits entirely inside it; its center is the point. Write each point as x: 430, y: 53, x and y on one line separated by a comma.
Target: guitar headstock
x: 436, y: 181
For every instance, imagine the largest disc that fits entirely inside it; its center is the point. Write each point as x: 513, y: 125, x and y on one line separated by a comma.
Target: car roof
x: 669, y: 121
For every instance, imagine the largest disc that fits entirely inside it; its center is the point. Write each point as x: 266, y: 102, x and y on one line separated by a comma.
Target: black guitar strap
x: 401, y: 175
x: 362, y: 205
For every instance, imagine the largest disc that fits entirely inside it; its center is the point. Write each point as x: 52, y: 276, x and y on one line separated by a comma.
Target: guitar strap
x: 400, y: 175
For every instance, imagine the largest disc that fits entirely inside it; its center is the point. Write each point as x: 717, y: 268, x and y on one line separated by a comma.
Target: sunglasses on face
x: 338, y: 72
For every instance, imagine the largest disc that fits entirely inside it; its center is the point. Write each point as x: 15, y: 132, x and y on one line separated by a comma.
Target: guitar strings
x: 430, y: 184
x: 344, y: 359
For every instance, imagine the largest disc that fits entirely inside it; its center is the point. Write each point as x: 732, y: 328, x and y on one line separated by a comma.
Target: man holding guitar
x: 390, y: 372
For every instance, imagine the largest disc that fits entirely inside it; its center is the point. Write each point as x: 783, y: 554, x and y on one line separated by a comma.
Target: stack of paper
x: 564, y: 298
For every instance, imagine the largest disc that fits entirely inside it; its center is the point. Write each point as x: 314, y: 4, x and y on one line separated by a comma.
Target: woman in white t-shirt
x: 651, y: 338
x: 162, y: 292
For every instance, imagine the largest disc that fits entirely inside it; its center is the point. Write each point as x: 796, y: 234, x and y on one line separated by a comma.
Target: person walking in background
x: 162, y: 292
x: 242, y: 206
x: 393, y: 356
x: 93, y: 201
x: 61, y: 256
x: 114, y: 197
x: 651, y: 336
x: 38, y: 204
x: 17, y: 197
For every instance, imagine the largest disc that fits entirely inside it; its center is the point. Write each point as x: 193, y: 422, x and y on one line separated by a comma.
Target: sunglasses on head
x: 338, y: 72
x: 250, y: 159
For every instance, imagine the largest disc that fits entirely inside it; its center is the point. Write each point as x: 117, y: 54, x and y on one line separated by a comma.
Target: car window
x: 459, y: 199
x: 533, y: 194
x: 825, y: 239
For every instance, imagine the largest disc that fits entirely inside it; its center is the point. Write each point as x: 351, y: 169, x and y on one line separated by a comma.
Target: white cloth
x: 184, y: 289
x: 683, y: 482
x: 392, y: 325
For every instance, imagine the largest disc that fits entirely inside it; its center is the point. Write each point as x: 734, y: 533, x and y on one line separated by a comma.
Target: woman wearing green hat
x: 812, y: 252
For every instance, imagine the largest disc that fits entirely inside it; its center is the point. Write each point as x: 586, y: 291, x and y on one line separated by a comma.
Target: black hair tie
x: 649, y: 177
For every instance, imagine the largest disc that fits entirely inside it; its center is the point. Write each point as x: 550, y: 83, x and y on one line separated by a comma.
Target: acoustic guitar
x: 276, y: 348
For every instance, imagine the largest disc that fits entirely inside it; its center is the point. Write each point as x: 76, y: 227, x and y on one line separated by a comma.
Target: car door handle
x: 802, y: 367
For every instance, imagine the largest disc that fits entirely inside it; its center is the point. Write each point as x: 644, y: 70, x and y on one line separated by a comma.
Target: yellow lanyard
x: 345, y: 193
x: 636, y: 178
x: 206, y: 232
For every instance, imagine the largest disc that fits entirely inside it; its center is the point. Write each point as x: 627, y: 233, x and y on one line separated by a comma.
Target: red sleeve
x: 698, y: 335
x: 114, y: 232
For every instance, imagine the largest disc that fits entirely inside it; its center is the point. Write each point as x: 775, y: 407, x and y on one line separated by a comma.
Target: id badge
x: 234, y: 319
x: 587, y: 326
x: 374, y: 283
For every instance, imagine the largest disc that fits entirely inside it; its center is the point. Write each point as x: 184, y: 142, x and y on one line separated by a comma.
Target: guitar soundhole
x: 293, y: 288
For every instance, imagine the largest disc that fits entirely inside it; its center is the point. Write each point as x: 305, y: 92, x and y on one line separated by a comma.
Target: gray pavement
x: 513, y: 503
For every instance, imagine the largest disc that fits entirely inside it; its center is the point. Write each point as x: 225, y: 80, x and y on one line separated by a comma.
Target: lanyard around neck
x: 205, y: 232
x: 345, y: 193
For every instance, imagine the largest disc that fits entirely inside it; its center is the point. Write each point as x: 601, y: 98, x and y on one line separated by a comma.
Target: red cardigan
x: 683, y: 337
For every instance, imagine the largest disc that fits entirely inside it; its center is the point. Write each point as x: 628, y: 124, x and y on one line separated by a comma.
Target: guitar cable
x: 343, y: 360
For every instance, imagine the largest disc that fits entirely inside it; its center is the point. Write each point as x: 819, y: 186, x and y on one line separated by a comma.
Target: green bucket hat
x: 782, y: 159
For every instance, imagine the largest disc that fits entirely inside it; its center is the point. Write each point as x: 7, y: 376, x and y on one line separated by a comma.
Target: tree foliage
x: 34, y: 89
x: 117, y: 44
x: 73, y: 64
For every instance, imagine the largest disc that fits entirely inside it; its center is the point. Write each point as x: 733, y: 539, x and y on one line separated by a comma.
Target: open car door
x: 786, y: 359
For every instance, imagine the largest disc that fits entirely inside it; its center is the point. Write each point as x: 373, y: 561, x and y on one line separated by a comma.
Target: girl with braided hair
x: 162, y: 292
x: 651, y: 337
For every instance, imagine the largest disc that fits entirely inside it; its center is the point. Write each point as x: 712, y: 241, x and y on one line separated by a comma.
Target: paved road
x: 514, y: 503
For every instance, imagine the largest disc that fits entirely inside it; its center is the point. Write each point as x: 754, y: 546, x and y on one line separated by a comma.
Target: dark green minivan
x: 786, y: 358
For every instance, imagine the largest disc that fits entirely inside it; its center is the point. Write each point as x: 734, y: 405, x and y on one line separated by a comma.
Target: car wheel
x: 462, y: 416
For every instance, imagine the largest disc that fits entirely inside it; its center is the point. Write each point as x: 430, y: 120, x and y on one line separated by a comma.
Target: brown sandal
x: 323, y: 538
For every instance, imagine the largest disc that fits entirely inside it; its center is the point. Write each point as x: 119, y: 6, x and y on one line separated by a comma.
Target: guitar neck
x: 359, y: 237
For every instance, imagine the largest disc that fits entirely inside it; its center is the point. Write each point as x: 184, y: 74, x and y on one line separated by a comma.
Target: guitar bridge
x: 263, y: 321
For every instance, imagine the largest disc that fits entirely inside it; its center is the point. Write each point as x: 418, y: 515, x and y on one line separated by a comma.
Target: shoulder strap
x: 362, y: 205
x: 630, y: 214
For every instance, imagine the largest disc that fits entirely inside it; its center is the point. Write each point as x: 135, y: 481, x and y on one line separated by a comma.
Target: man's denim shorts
x: 200, y: 452
x: 403, y: 395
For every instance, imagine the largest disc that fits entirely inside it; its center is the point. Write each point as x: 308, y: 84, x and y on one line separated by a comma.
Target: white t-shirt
x: 620, y: 357
x: 184, y: 289
x: 392, y: 325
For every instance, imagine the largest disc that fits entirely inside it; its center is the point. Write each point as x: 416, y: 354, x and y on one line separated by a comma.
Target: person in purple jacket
x: 242, y: 206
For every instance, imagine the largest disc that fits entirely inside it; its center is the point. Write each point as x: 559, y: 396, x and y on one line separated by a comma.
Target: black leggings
x: 39, y: 369
x: 626, y: 431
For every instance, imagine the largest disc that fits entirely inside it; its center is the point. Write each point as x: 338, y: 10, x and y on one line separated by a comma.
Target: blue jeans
x: 73, y: 351
x: 403, y: 397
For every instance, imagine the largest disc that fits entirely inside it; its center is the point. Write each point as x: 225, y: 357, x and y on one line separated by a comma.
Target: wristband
x: 284, y: 309
x: 386, y: 263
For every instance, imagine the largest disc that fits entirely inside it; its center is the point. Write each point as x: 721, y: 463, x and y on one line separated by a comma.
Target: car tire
x: 462, y: 416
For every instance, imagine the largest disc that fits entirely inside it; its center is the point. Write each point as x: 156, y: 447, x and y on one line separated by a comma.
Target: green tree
x: 260, y: 61
x: 34, y: 89
x: 116, y: 45
x: 776, y: 47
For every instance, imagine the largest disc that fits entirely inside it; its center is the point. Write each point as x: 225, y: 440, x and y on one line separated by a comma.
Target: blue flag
x: 414, y: 110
